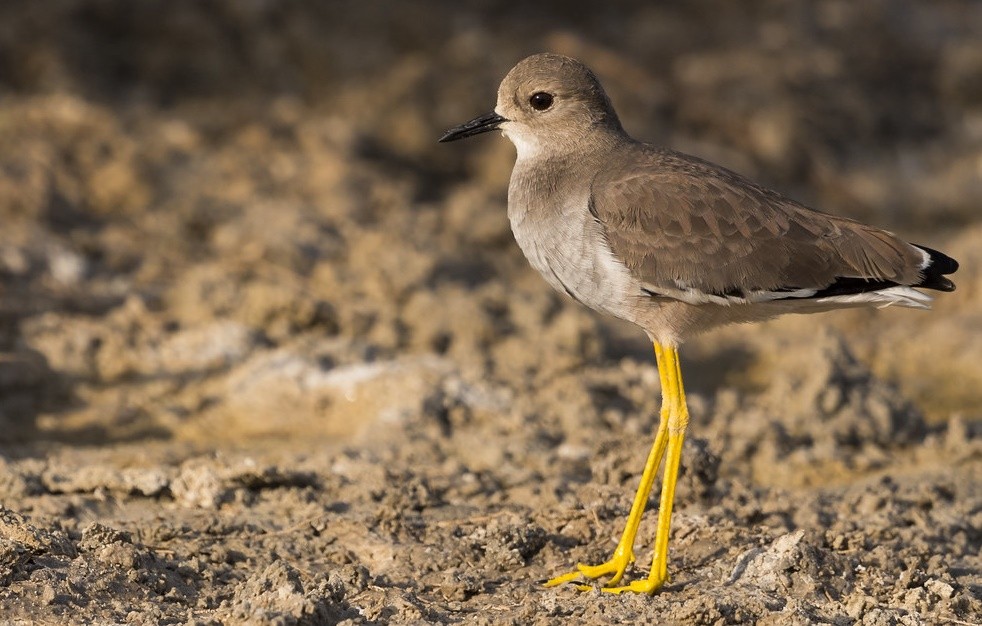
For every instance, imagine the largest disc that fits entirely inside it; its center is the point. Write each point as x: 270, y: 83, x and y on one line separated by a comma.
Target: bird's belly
x: 570, y: 253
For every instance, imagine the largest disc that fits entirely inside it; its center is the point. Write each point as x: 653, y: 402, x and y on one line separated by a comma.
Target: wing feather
x: 680, y: 223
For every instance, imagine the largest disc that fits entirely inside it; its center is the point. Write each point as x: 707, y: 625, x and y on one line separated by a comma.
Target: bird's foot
x: 614, y: 568
x: 645, y: 585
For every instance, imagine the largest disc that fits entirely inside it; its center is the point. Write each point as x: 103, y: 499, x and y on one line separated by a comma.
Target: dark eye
x: 541, y: 101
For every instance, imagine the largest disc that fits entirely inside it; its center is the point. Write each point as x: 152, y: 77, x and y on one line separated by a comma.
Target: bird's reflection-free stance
x: 675, y: 245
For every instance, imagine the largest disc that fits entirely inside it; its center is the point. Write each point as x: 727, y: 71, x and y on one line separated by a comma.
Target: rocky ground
x: 268, y: 353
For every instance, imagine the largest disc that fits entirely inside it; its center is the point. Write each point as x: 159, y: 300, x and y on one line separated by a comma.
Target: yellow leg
x: 671, y: 431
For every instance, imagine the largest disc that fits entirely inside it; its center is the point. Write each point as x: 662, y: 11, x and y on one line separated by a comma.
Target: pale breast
x: 566, y: 246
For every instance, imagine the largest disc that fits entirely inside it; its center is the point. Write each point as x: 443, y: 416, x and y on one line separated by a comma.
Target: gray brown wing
x: 681, y: 224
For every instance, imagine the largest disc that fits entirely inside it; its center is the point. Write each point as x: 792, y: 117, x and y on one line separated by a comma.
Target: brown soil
x: 269, y: 355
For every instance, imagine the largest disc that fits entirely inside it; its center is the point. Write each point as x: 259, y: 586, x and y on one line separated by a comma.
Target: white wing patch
x: 796, y: 299
x: 899, y: 296
x: 926, y: 256
x: 692, y: 295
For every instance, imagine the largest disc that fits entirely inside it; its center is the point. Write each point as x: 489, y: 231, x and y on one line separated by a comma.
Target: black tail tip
x: 941, y: 284
x: 939, y: 265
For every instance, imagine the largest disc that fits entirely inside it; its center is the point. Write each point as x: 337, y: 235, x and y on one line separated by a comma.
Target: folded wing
x: 692, y: 231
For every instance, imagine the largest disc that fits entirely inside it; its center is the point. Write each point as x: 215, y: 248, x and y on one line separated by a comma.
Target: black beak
x: 483, y: 124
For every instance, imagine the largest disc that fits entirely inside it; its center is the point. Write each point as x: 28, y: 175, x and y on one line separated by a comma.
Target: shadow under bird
x: 676, y: 245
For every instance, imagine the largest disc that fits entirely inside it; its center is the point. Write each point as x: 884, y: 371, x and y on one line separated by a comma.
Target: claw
x: 560, y: 580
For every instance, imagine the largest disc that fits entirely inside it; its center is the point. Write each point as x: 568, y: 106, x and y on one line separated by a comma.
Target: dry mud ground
x: 269, y: 355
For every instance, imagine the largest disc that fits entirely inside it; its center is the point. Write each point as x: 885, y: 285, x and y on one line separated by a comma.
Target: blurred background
x: 269, y: 353
x: 210, y: 206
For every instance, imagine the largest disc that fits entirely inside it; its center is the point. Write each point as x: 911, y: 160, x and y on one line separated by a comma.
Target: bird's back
x: 696, y: 232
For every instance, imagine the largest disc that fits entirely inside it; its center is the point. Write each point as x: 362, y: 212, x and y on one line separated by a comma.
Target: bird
x: 677, y: 246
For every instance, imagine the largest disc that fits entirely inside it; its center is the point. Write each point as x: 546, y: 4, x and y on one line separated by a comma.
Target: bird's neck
x: 553, y: 177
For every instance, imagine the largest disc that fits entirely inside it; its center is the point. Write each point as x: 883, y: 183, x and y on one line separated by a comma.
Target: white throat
x: 527, y: 146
